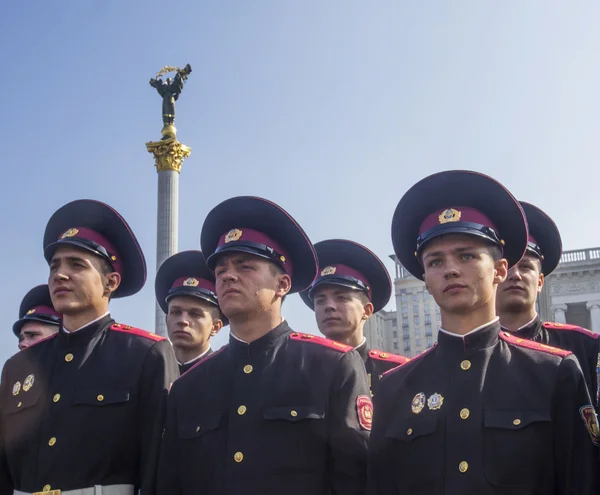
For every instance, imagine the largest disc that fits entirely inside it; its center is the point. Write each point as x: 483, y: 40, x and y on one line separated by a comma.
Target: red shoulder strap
x: 574, y: 328
x: 529, y: 344
x: 118, y: 327
x: 332, y: 344
x: 386, y: 356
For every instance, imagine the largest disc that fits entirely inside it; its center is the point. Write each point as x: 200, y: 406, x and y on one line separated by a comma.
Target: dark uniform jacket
x: 582, y: 342
x: 377, y: 363
x: 484, y: 414
x: 186, y: 366
x: 84, y: 408
x: 286, y: 414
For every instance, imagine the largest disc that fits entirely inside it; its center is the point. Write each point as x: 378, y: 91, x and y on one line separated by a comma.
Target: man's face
x: 460, y: 273
x: 191, y: 322
x: 524, y: 282
x: 247, y: 284
x: 340, y: 311
x: 76, y: 282
x: 34, y: 331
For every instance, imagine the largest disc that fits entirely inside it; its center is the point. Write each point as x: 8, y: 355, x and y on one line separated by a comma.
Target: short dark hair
x: 495, y: 252
x: 364, y: 298
x: 275, y: 270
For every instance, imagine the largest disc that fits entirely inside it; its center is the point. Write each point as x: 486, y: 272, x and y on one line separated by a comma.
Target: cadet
x: 185, y: 291
x: 82, y: 412
x: 38, y: 320
x: 482, y: 411
x: 352, y: 285
x: 517, y: 296
x: 275, y: 411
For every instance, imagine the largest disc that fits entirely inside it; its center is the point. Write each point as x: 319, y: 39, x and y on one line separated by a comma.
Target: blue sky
x: 331, y: 109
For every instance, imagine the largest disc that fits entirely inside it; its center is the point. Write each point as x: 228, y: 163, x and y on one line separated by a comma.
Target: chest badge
x: 28, y: 383
x: 435, y: 402
x: 418, y: 403
x: 16, y: 388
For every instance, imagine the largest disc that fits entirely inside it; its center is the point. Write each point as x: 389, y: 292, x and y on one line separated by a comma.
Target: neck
x: 352, y: 339
x: 251, y: 328
x: 460, y: 324
x: 514, y: 321
x: 184, y: 355
x: 74, y: 322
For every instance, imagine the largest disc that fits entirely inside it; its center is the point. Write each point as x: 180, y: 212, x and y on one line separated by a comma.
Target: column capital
x: 559, y: 307
x: 168, y: 154
x: 591, y: 304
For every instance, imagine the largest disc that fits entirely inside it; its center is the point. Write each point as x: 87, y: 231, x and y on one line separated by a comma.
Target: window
x: 394, y: 323
x: 427, y: 309
x: 395, y: 334
x: 427, y: 318
x: 406, y: 335
x: 418, y: 342
x: 428, y: 330
x: 405, y: 321
x: 429, y: 341
x: 416, y: 309
x: 404, y: 310
x: 406, y: 347
x: 417, y: 332
x: 396, y: 345
x: 417, y: 322
x: 415, y: 298
x: 403, y: 296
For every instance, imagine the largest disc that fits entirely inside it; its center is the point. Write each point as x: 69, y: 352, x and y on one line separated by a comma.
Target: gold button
x: 517, y: 422
x: 19, y: 404
x: 56, y: 397
x: 197, y: 429
x: 293, y: 414
x: 242, y: 410
x: 69, y: 357
x: 464, y: 413
x: 463, y: 466
x: 100, y: 398
x: 46, y: 488
x: 52, y: 441
x: 409, y: 431
x: 238, y: 457
x: 248, y: 369
x: 465, y: 365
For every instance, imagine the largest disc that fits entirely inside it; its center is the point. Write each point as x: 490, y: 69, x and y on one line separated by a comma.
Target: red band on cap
x: 193, y: 283
x: 343, y: 271
x: 91, y: 235
x: 456, y: 214
x: 43, y: 311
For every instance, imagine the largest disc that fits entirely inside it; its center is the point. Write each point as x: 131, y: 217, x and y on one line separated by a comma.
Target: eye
x: 435, y: 262
x: 467, y: 256
x: 175, y: 312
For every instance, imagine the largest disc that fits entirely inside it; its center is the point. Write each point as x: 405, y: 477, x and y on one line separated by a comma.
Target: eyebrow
x: 460, y: 249
x: 69, y: 258
x: 236, y: 260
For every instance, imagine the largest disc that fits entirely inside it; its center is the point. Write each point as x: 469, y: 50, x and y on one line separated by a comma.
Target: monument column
x: 594, y: 307
x: 168, y: 157
x: 560, y: 313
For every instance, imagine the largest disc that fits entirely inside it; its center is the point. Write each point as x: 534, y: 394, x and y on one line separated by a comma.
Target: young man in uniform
x: 517, y: 296
x: 185, y: 291
x: 38, y: 320
x: 482, y: 411
x: 275, y: 411
x: 82, y: 412
x: 352, y: 284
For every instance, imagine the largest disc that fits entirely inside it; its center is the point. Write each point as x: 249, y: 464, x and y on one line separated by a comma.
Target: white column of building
x: 560, y: 313
x: 594, y: 307
x: 167, y: 229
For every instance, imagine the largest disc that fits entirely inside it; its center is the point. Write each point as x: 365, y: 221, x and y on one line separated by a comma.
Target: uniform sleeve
x: 594, y: 390
x: 6, y: 484
x: 575, y: 426
x: 349, y: 425
x: 168, y: 479
x: 159, y: 372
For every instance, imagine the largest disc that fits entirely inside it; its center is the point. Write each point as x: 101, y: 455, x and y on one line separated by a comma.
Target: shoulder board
x: 332, y: 344
x: 206, y: 358
x: 529, y: 344
x: 565, y: 326
x: 410, y: 360
x: 386, y: 356
x: 118, y: 327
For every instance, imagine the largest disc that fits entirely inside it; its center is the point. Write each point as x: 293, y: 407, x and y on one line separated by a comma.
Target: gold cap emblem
x: 31, y: 311
x: 328, y: 270
x: 233, y: 235
x: 449, y: 215
x: 191, y: 282
x: 70, y: 233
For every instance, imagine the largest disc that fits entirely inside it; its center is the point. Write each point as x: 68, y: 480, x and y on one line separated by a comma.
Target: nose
x: 450, y: 270
x: 514, y: 274
x: 22, y: 346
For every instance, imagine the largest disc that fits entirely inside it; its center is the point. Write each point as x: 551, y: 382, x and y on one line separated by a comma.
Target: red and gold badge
x: 364, y: 409
x: 591, y: 422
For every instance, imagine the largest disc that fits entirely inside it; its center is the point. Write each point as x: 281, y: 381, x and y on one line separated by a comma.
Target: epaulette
x: 206, y: 358
x: 565, y: 326
x: 332, y: 344
x: 136, y: 331
x: 386, y: 356
x: 410, y: 360
x: 530, y: 344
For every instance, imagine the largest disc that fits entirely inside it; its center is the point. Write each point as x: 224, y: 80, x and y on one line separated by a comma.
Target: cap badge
x: 328, y: 270
x: 191, y: 282
x: 70, y: 233
x: 16, y: 388
x: 233, y: 235
x: 435, y: 402
x: 28, y: 383
x: 31, y: 311
x: 418, y: 403
x: 449, y: 215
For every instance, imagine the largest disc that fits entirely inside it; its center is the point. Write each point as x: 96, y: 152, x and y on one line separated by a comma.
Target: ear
x: 367, y: 311
x: 500, y: 271
x: 284, y: 285
x: 540, y: 284
x: 111, y: 283
x: 216, y: 328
